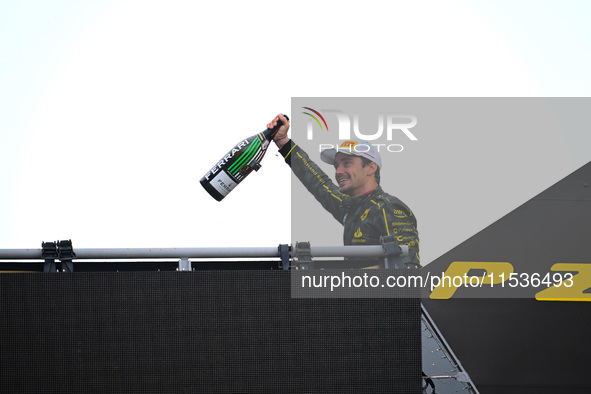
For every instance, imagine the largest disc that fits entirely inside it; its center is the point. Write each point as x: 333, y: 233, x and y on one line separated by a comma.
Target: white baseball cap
x: 355, y: 148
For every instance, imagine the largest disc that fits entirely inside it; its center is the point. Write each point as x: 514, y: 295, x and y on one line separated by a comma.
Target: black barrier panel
x: 207, y: 331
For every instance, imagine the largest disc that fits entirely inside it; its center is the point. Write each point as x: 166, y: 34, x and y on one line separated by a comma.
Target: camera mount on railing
x: 49, y: 254
x: 284, y: 252
x: 303, y: 256
x: 61, y: 250
x: 395, y: 256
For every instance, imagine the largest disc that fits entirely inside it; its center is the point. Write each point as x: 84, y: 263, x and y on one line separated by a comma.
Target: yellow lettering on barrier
x: 571, y: 288
x: 456, y: 275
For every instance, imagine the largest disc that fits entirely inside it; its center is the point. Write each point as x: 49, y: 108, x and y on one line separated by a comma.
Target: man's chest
x: 361, y: 226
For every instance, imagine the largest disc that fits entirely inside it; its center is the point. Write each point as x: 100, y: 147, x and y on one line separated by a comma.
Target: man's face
x: 353, y: 179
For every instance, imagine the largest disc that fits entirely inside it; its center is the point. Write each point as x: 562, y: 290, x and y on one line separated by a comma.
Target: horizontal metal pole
x: 171, y: 253
x: 351, y: 251
x: 218, y: 252
x: 20, y: 254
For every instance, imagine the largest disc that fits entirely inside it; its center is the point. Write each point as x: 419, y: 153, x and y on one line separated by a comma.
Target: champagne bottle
x: 238, y: 163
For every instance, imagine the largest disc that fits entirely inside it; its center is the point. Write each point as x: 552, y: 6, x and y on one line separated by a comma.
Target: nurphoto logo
x: 391, y: 126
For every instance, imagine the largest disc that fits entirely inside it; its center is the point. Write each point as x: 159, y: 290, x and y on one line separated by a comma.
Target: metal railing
x: 299, y: 256
x: 217, y: 252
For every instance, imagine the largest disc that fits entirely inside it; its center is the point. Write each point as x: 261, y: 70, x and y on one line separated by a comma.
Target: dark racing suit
x: 366, y: 218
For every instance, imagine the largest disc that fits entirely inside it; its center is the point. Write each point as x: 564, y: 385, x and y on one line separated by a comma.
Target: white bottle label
x: 223, y: 183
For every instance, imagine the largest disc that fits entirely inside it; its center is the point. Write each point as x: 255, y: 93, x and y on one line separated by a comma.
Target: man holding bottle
x: 357, y: 201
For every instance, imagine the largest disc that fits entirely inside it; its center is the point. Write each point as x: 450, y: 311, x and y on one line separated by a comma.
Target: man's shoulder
x: 386, y: 199
x: 390, y: 202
